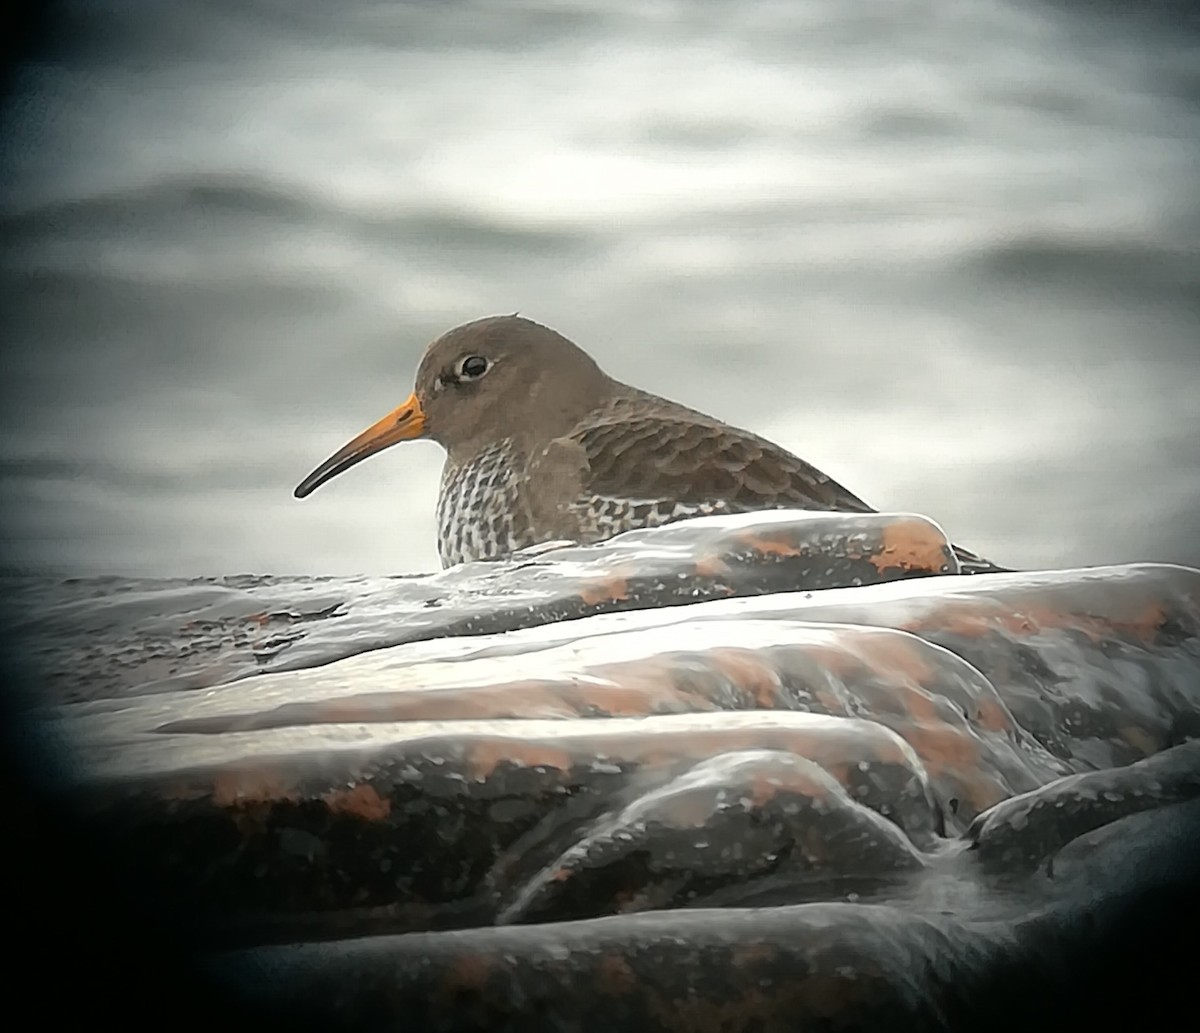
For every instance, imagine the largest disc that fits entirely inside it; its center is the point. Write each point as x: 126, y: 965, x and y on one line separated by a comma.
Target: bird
x: 542, y: 445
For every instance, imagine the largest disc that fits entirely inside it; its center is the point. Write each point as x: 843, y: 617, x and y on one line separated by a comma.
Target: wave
x: 1062, y: 262
x: 164, y: 201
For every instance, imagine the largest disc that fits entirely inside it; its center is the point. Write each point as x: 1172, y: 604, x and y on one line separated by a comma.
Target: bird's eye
x: 472, y: 367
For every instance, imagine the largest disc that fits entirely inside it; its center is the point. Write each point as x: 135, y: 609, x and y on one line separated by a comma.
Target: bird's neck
x: 472, y: 453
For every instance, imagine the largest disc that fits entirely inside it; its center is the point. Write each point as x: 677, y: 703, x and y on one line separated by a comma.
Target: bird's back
x: 645, y: 447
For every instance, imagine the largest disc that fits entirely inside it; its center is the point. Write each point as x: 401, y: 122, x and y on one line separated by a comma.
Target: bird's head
x: 491, y: 379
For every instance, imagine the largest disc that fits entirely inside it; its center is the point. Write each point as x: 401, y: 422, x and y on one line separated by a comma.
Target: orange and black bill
x: 401, y: 424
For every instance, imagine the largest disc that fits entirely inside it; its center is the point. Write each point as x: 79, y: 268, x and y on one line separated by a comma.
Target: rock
x: 902, y: 770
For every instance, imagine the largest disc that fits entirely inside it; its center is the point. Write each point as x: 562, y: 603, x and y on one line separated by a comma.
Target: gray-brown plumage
x: 542, y: 445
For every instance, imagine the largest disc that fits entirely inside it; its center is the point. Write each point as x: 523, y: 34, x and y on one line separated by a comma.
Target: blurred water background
x: 948, y: 252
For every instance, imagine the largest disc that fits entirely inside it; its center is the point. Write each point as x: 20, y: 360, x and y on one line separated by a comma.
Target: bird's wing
x: 701, y: 463
x: 708, y: 466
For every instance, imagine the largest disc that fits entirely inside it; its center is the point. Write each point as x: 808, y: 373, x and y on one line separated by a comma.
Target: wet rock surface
x: 736, y: 773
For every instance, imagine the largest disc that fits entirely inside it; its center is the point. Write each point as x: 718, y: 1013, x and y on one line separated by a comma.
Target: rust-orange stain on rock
x: 912, y: 545
x: 755, y: 677
x: 766, y: 546
x: 981, y: 790
x: 629, y: 689
x: 993, y: 716
x: 830, y: 702
x: 874, y: 743
x: 940, y: 745
x: 927, y: 715
x: 971, y: 618
x: 954, y: 755
x: 469, y: 972
x: 766, y: 785
x: 614, y: 975
x: 1020, y: 619
x: 363, y: 801
x: 604, y: 590
x: 1146, y: 626
x: 528, y: 697
x: 712, y: 565
x: 630, y: 699
x: 840, y: 773
x: 748, y: 955
x: 1143, y: 626
x: 834, y: 658
x: 485, y: 755
x: 922, y: 706
x: 890, y: 653
x: 828, y: 747
x: 240, y: 786
x: 648, y: 685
